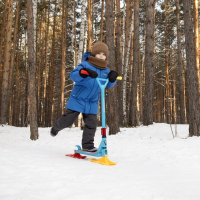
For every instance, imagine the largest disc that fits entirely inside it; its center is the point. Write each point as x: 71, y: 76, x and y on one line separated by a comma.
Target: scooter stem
x: 102, y: 84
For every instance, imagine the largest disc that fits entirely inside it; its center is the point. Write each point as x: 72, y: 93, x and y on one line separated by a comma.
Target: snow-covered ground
x: 151, y: 165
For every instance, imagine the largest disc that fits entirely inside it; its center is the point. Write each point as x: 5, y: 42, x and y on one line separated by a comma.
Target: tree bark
x: 51, y: 87
x: 180, y: 67
x: 123, y: 37
x: 89, y: 25
x: 3, y: 25
x: 128, y: 22
x: 125, y: 75
x: 192, y: 79
x: 119, y: 62
x: 101, y: 26
x: 75, y: 51
x: 63, y: 58
x: 31, y: 73
x: 196, y: 35
x: 82, y: 29
x: 133, y: 104
x: 10, y: 84
x: 39, y: 68
x: 8, y: 41
x: 112, y: 102
x: 142, y: 77
x: 128, y: 69
x: 167, y: 113
x: 174, y: 101
x: 45, y: 69
x: 149, y: 55
x: 80, y: 50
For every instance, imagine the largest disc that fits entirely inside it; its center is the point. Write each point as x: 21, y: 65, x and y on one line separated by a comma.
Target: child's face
x: 101, y: 56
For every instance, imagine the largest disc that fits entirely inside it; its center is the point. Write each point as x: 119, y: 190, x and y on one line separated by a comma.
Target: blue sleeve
x: 74, y: 75
x: 111, y: 84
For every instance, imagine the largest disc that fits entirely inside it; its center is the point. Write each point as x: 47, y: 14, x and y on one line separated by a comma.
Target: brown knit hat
x: 100, y: 47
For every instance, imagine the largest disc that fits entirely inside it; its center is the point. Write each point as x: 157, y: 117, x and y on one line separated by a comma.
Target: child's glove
x: 112, y: 76
x: 85, y: 72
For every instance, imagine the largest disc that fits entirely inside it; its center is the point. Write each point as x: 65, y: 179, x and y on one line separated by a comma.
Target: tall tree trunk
x: 51, y: 87
x: 75, y: 51
x: 2, y: 26
x: 119, y: 61
x: 35, y: 22
x: 5, y: 100
x: 86, y: 36
x: 127, y: 30
x: 130, y: 75
x: 31, y: 72
x: 142, y: 77
x: 39, y: 68
x: 89, y: 25
x: 80, y: 50
x: 16, y: 91
x: 63, y: 58
x: 112, y: 102
x: 27, y: 113
x: 154, y: 51
x: 3, y: 32
x: 167, y: 97
x: 125, y: 75
x: 129, y: 67
x: 174, y: 100
x: 133, y: 104
x: 45, y: 69
x: 82, y: 29
x: 123, y: 37
x: 72, y: 37
x: 180, y: 67
x: 101, y: 26
x: 192, y: 79
x: 196, y: 35
x: 149, y: 55
x: 13, y: 56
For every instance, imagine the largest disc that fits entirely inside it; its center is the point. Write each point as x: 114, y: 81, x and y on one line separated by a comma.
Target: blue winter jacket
x: 84, y: 97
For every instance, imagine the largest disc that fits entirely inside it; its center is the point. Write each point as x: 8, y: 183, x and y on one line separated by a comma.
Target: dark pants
x: 89, y: 130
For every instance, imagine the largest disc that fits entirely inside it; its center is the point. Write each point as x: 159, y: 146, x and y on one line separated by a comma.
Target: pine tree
x: 192, y: 79
x: 5, y: 86
x: 133, y: 104
x: 180, y: 66
x: 112, y: 102
x: 32, y: 71
x: 149, y: 55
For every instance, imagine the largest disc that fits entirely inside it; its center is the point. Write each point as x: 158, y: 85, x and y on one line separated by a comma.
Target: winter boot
x: 90, y: 149
x: 53, y: 133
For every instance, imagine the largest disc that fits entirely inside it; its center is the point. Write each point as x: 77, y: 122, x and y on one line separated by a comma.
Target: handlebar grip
x: 119, y: 78
x: 84, y: 72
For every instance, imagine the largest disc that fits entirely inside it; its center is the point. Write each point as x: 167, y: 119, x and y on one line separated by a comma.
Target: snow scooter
x: 102, y: 149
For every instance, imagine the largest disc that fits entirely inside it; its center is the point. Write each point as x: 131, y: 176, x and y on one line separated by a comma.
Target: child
x: 85, y: 94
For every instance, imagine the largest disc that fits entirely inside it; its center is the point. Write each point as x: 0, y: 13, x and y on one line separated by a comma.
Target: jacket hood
x: 85, y: 55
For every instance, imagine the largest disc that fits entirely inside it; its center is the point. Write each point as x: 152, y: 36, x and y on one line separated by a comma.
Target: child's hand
x: 85, y: 72
x: 112, y: 76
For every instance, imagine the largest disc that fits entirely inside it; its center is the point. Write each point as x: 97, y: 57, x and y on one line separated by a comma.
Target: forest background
x: 153, y: 45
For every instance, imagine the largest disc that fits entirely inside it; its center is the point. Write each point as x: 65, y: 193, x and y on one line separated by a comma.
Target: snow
x: 151, y: 165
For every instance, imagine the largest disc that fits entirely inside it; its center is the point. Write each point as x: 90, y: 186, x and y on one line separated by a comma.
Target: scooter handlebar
x: 119, y: 78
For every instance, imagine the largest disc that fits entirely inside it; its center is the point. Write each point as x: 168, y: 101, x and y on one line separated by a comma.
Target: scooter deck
x: 101, y: 151
x: 88, y: 153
